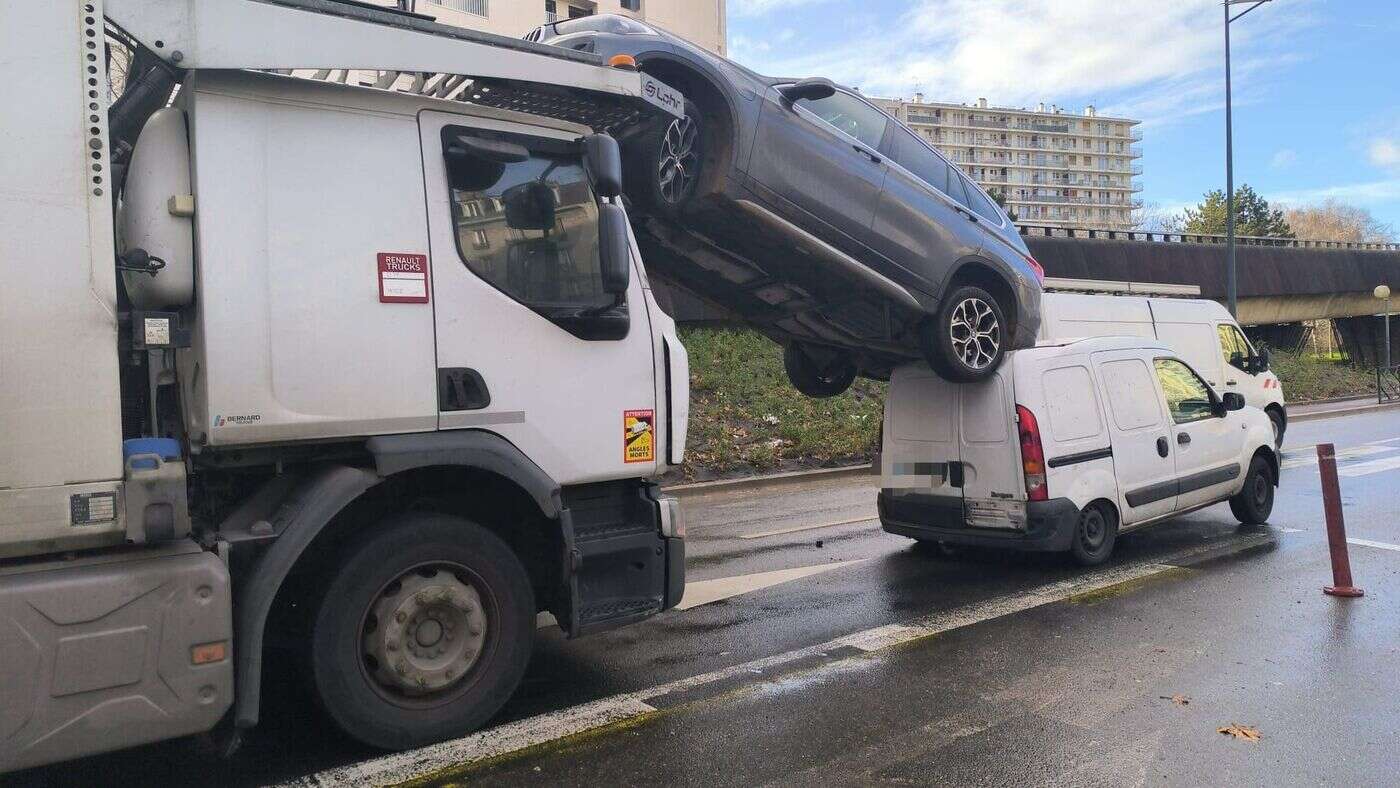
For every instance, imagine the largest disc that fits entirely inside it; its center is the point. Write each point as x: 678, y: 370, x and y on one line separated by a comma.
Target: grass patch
x: 1306, y: 377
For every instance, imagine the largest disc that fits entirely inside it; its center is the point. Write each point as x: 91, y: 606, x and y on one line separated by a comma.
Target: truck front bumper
x: 1050, y: 525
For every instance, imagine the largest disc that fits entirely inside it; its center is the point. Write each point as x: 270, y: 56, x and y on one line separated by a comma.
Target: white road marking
x: 1369, y: 543
x: 1368, y: 468
x: 703, y: 592
x: 794, y: 529
x: 1300, y: 460
x: 404, y: 766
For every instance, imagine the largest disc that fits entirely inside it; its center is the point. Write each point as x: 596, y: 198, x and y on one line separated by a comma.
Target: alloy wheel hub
x: 425, y: 632
x: 976, y: 333
x: 679, y: 162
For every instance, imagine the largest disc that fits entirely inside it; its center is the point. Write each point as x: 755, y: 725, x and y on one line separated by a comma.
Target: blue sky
x: 1316, y: 82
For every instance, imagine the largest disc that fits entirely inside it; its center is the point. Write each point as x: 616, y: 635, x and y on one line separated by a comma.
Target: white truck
x: 330, y: 329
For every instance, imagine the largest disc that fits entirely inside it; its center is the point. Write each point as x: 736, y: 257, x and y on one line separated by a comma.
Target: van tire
x: 440, y: 575
x: 1276, y: 419
x: 1253, y: 504
x: 810, y: 377
x: 1094, y: 535
x: 946, y: 345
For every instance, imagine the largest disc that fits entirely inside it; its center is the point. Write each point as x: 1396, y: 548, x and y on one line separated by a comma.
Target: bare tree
x: 1334, y: 220
x: 1153, y: 218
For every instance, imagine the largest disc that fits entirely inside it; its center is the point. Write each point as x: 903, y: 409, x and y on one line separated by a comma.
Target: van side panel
x: 1076, y: 316
x: 1195, y: 343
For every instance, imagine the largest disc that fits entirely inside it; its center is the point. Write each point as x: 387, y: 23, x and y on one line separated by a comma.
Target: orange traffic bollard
x: 1336, y: 526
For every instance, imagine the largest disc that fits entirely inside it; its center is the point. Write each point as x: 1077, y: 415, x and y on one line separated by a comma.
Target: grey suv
x: 808, y: 211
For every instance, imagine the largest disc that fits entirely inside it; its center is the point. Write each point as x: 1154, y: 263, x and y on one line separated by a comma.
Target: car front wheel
x: 665, y: 165
x: 966, y: 341
x: 1255, y: 502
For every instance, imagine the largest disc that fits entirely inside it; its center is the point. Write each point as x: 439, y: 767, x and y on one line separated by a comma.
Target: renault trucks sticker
x: 638, y: 436
x: 403, y: 278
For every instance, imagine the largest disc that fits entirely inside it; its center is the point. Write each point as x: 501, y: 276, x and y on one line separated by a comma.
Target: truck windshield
x: 530, y: 229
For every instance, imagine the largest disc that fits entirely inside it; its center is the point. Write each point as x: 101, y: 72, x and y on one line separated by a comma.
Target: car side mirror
x: 603, y: 161
x: 812, y: 89
x: 614, y: 249
x: 1232, y: 401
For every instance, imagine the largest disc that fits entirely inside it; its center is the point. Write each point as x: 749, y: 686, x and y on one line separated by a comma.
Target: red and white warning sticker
x: 403, y: 278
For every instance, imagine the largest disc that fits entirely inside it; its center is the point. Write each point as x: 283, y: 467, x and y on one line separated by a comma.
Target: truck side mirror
x: 614, y: 248
x: 811, y: 88
x: 603, y: 161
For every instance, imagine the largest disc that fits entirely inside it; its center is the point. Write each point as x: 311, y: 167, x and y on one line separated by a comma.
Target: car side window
x: 923, y: 163
x: 849, y: 115
x: 1233, y: 346
x: 978, y: 202
x: 955, y: 187
x: 1188, y: 397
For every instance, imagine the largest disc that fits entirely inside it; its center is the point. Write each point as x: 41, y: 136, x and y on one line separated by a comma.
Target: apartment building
x: 701, y: 21
x: 1054, y: 168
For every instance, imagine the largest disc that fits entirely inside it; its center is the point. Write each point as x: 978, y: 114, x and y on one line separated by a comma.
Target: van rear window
x: 1072, y: 404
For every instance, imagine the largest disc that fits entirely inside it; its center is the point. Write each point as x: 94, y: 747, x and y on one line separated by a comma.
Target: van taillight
x: 1032, y: 455
x: 1037, y: 267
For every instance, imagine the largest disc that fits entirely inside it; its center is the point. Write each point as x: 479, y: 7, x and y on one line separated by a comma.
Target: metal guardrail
x: 1387, y: 384
x: 1197, y: 238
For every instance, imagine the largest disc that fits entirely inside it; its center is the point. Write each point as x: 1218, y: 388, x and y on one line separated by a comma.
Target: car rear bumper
x: 1050, y: 525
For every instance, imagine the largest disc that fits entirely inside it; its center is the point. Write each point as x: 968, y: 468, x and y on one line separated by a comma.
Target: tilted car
x: 808, y: 211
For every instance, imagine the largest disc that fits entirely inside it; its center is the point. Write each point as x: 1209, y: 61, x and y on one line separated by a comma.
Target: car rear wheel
x: 1094, y: 535
x: 423, y: 633
x: 815, y: 377
x: 1255, y: 502
x: 966, y: 341
x: 665, y: 165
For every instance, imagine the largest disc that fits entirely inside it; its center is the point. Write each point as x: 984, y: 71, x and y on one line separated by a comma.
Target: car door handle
x: 867, y: 153
x: 972, y: 217
x: 1183, y: 438
x: 1163, y: 449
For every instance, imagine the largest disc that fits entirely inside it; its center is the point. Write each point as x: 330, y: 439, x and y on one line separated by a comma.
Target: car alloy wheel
x: 975, y: 333
x: 678, y: 166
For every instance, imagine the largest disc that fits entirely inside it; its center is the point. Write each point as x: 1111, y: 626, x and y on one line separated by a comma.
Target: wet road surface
x: 832, y: 652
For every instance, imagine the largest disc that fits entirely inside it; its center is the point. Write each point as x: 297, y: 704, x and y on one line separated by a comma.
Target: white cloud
x: 1283, y: 158
x: 1020, y: 52
x: 1385, y: 152
x: 763, y: 7
x: 1369, y: 193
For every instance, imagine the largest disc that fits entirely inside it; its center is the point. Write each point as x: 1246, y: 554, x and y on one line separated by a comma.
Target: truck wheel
x: 1095, y: 535
x: 424, y: 632
x: 1253, y: 504
x: 815, y: 379
x: 666, y: 163
x: 966, y: 340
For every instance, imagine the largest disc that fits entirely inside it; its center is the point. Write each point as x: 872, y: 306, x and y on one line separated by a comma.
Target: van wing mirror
x: 1263, y: 360
x: 603, y: 161
x: 614, y: 249
x: 812, y: 89
x: 1232, y: 401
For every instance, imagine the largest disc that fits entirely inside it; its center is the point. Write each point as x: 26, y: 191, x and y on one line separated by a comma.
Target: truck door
x: 1144, y: 453
x: 528, y: 344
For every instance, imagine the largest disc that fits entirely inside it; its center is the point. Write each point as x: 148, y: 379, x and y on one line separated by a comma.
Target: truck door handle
x: 867, y: 153
x: 461, y: 389
x: 1162, y: 448
x: 1183, y: 438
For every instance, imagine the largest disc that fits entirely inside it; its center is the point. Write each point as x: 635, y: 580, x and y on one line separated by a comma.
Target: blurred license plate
x: 995, y: 514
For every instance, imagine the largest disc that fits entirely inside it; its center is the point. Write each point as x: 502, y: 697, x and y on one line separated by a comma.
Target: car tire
x: 1276, y: 420
x: 966, y: 341
x: 1095, y: 534
x: 1253, y: 504
x: 665, y: 164
x: 444, y: 599
x: 818, y: 380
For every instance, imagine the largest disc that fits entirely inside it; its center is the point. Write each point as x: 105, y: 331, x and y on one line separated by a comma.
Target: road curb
x: 1293, y: 418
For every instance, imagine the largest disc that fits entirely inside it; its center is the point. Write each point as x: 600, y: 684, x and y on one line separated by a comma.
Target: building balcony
x: 990, y: 124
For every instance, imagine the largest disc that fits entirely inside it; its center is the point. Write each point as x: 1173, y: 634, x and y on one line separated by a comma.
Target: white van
x: 1065, y: 446
x: 1201, y: 332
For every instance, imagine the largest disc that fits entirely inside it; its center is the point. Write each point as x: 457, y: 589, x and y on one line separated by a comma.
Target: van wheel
x: 1253, y: 504
x: 1095, y: 535
x: 423, y: 633
x: 966, y: 340
x: 1276, y: 419
x: 817, y: 379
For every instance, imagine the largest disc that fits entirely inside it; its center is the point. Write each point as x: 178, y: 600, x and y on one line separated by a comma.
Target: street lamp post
x: 1230, y: 275
x: 1383, y: 292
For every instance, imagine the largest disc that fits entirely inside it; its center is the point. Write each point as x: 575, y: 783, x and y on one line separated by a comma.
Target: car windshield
x: 600, y: 24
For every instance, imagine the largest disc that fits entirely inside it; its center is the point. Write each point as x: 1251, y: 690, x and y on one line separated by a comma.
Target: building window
x: 632, y: 5
x: 478, y: 7
x: 551, y: 11
x: 575, y: 12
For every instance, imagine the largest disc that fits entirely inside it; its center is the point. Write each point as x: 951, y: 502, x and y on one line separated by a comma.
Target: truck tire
x: 664, y: 164
x: 423, y: 633
x: 966, y: 341
x: 1255, y: 501
x: 1094, y: 535
x: 818, y: 380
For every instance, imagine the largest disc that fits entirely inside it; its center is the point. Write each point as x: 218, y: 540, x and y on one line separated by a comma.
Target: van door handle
x: 1162, y: 448
x: 867, y: 153
x: 1183, y: 438
x: 1229, y: 382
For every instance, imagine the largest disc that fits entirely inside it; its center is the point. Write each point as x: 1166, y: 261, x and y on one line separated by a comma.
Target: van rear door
x: 994, y: 492
x: 920, y: 453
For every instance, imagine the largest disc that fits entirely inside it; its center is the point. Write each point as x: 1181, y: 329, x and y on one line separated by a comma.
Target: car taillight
x: 1032, y: 455
x: 1037, y: 267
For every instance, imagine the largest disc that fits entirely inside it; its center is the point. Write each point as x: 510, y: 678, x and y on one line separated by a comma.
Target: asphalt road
x: 814, y: 648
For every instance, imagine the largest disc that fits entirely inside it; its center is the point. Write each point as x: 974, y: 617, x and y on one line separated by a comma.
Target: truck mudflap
x: 112, y: 651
